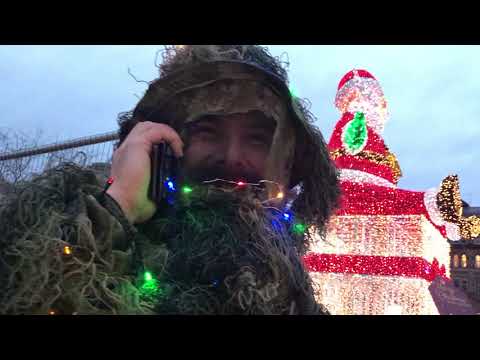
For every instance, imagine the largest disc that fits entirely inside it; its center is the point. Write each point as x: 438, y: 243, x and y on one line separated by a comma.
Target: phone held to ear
x: 164, y: 165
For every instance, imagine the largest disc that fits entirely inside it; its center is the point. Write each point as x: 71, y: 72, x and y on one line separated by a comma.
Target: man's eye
x: 204, y: 132
x: 259, y: 140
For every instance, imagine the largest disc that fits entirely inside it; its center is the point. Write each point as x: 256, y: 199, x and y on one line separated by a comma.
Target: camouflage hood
x: 198, y: 80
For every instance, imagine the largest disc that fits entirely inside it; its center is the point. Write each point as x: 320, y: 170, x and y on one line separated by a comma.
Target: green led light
x: 148, y: 276
x: 149, y: 288
x: 293, y: 92
x: 187, y: 189
x: 299, y: 228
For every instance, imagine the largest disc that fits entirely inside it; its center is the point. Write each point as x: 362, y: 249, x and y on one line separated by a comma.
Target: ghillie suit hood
x: 198, y: 80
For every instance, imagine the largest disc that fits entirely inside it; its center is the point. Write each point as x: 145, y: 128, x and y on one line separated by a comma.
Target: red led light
x: 413, y: 267
x: 371, y: 199
x: 240, y: 183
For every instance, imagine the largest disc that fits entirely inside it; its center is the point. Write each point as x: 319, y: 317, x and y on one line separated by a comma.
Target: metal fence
x: 92, y: 151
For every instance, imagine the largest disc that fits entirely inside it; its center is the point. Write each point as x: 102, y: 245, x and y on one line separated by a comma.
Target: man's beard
x: 228, y: 255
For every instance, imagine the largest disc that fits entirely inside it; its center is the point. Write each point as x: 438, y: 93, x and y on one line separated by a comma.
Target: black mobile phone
x: 163, y: 181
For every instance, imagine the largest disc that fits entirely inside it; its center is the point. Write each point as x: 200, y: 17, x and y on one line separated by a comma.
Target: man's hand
x: 131, y: 168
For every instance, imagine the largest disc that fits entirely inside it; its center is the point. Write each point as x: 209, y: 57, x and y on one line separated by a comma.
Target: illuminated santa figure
x: 385, y: 245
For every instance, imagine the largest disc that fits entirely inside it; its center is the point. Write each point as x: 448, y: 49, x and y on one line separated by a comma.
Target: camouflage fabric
x: 60, y: 209
x: 99, y: 274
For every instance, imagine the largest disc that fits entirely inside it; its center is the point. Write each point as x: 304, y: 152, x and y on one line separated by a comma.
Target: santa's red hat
x: 355, y: 73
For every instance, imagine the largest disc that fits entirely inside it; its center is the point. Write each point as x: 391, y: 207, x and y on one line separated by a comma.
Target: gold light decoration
x: 449, y: 200
x: 470, y: 227
x: 389, y: 160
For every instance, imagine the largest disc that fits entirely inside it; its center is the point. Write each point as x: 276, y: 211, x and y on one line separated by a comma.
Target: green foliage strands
x: 355, y: 134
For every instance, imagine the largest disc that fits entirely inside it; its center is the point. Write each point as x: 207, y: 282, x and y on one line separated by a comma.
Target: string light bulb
x: 67, y: 250
x: 187, y: 189
x: 280, y: 195
x: 293, y: 92
x: 148, y: 276
x: 150, y: 285
x: 299, y: 228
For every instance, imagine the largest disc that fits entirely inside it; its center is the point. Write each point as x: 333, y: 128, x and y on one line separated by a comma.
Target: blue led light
x: 286, y: 216
x: 170, y: 185
x: 276, y: 225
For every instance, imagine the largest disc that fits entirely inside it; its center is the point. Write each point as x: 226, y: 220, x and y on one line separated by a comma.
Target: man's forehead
x: 254, y: 119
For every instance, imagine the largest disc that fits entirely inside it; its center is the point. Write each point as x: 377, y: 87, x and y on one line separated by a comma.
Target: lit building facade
x: 465, y: 261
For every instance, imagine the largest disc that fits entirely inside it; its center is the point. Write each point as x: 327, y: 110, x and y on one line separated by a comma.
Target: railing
x: 22, y: 164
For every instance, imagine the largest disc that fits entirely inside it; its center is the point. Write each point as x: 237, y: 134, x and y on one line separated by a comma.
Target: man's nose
x: 234, y: 155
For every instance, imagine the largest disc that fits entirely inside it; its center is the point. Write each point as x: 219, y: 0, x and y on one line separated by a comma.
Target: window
x: 455, y: 282
x: 464, y: 261
x: 464, y: 285
x: 477, y: 261
x: 455, y: 261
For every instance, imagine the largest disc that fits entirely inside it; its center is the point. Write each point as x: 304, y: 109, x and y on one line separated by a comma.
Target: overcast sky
x: 432, y: 92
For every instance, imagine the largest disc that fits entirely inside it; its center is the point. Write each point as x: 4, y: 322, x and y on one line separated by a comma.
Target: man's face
x: 233, y: 147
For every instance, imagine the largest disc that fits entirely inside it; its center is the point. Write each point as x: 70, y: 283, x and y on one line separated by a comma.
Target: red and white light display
x: 384, y: 245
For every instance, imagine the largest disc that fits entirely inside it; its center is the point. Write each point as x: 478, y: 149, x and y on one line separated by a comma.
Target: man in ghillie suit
x: 228, y: 246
